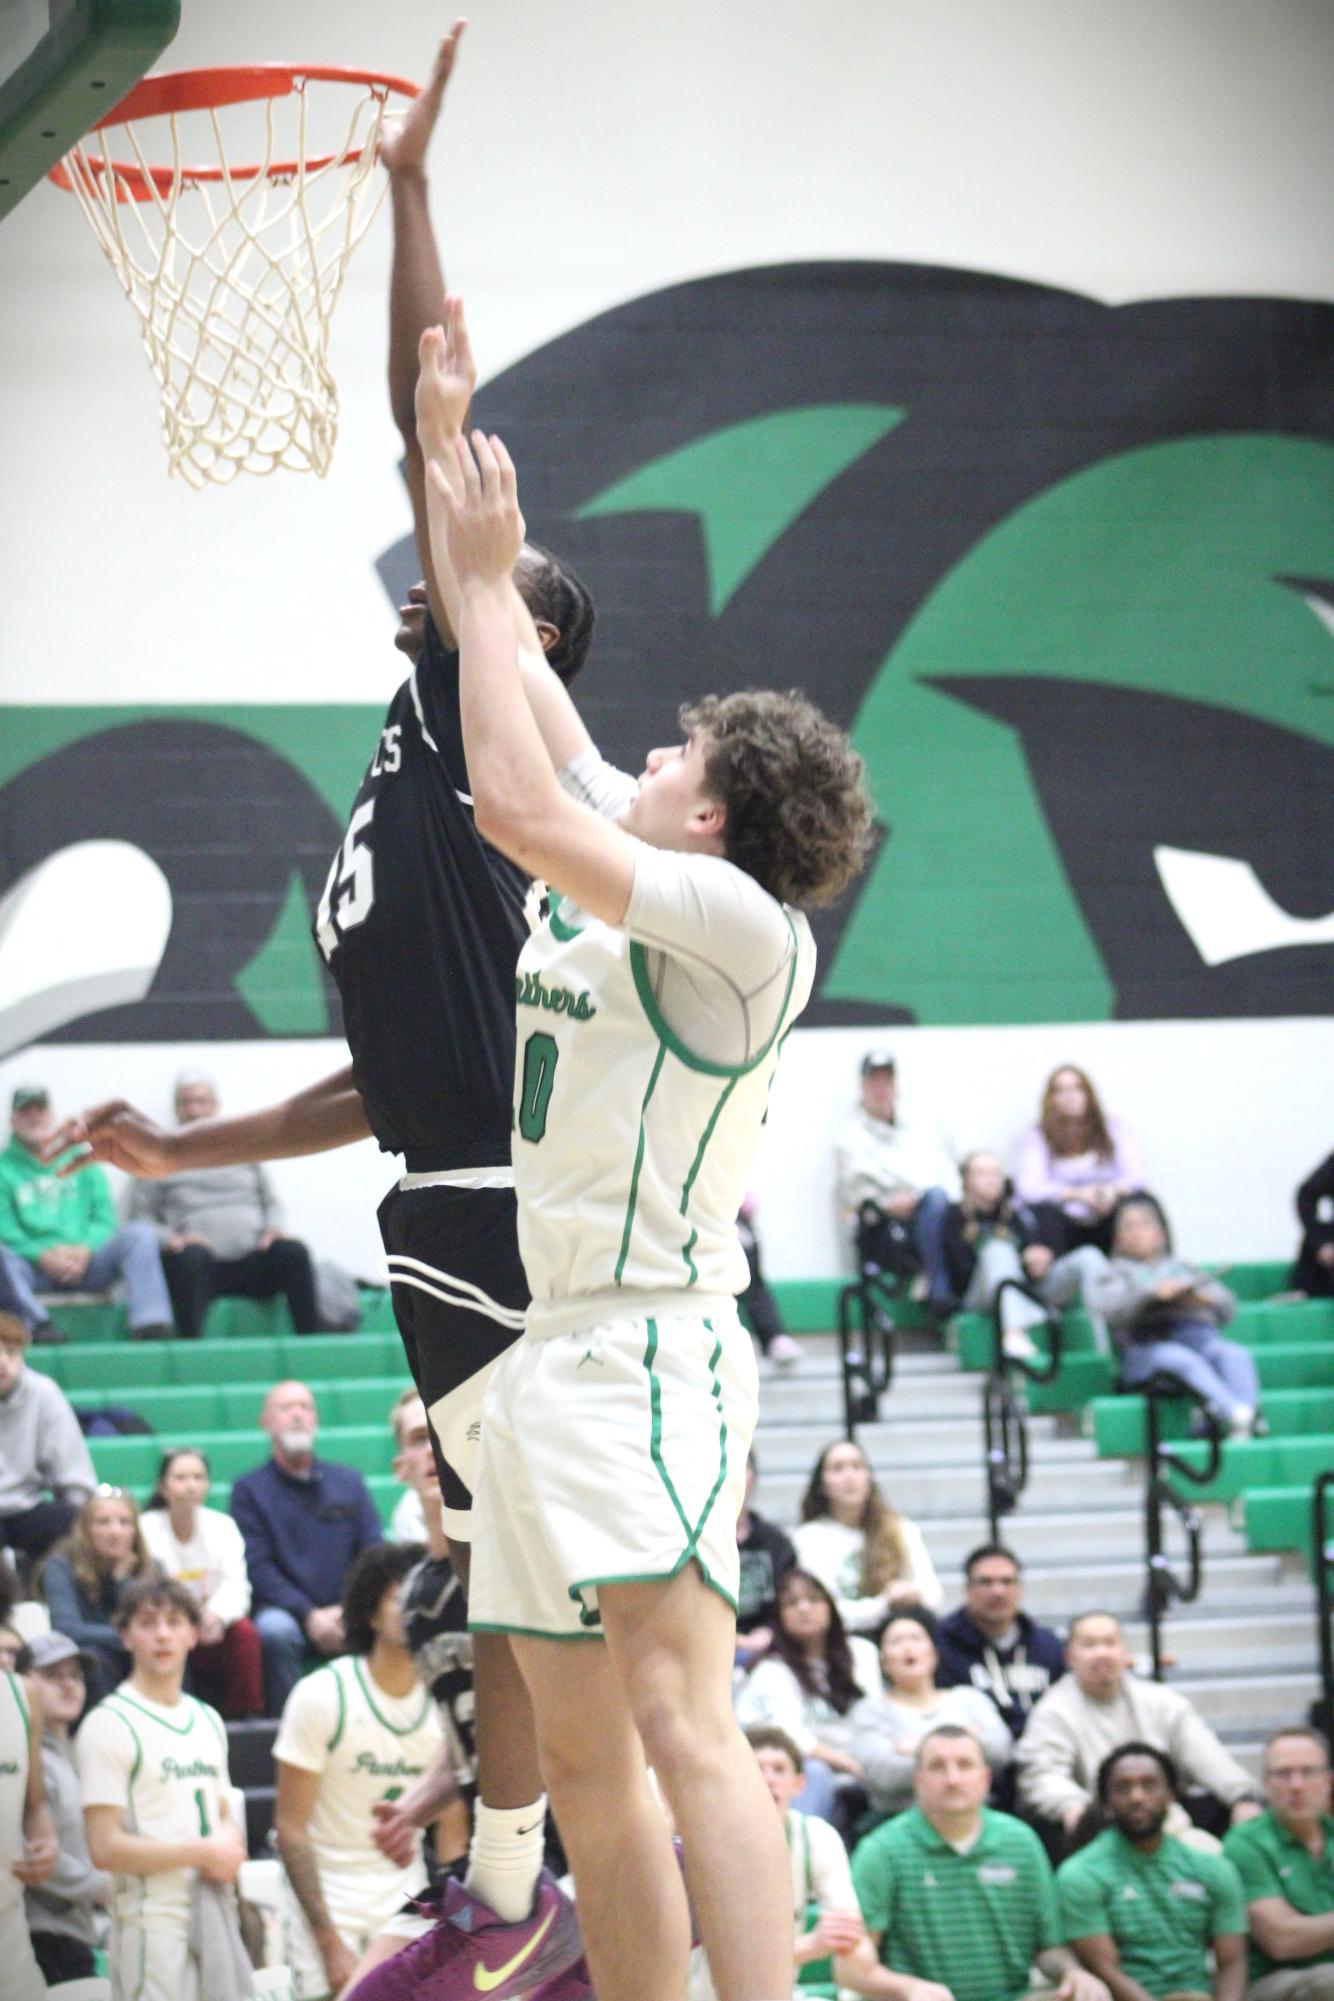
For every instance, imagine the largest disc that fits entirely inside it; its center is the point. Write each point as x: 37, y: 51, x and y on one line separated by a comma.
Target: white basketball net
x: 234, y: 281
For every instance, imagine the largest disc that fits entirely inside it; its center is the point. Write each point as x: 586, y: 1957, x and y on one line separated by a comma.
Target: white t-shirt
x: 408, y: 1522
x: 211, y: 1564
x: 772, y: 1694
x: 645, y: 1055
x: 832, y: 1551
x: 166, y: 1767
x: 366, y: 1746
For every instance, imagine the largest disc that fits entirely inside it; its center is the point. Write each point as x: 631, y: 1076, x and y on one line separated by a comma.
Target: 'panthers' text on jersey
x: 166, y: 1766
x: 421, y: 922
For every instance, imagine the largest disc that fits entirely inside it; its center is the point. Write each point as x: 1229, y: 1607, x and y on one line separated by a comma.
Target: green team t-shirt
x: 1273, y: 1863
x: 973, y: 1922
x: 1162, y: 1909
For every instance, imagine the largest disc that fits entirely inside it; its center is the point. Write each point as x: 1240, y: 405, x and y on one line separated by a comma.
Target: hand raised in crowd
x: 118, y: 1134
x: 404, y: 139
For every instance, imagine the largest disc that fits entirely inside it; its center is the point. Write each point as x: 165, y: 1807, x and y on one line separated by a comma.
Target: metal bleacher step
x: 1281, y: 1642
x: 901, y: 1441
x: 935, y: 1493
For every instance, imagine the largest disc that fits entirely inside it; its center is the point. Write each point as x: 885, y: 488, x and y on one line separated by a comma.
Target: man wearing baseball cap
x: 62, y: 1914
x: 63, y: 1232
x: 895, y: 1182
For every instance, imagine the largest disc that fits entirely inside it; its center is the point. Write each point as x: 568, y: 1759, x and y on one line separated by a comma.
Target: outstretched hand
x: 404, y: 139
x: 116, y: 1133
x: 447, y: 378
x: 478, y: 490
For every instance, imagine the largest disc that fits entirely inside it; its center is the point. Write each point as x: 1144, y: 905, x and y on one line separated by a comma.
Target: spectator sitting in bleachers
x: 304, y: 1522
x: 1285, y: 1858
x: 894, y: 1183
x: 1164, y: 1316
x: 831, y: 1949
x: 1144, y: 1911
x: 86, y: 1576
x: 767, y: 1556
x: 887, y: 1728
x: 1078, y: 1158
x: 757, y: 1301
x: 351, y: 1732
x: 408, y: 1521
x: 63, y: 1231
x: 46, y: 1473
x: 221, y: 1232
x: 958, y: 1898
x: 991, y: 1235
x: 993, y: 1645
x: 203, y: 1549
x: 63, y: 1913
x: 808, y: 1684
x: 871, y: 1557
x: 1099, y: 1704
x: 1313, y: 1273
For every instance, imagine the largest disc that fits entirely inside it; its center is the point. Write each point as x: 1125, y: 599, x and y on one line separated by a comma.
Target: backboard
x: 63, y: 65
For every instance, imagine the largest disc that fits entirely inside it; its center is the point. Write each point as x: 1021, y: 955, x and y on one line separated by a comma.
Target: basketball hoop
x: 233, y: 271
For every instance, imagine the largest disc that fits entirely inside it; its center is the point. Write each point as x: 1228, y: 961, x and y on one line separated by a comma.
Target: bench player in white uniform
x: 651, y: 1008
x: 359, y: 1731
x: 153, y: 1773
x: 29, y: 1850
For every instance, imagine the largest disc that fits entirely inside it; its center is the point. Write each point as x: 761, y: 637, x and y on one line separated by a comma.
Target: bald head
x: 291, y: 1420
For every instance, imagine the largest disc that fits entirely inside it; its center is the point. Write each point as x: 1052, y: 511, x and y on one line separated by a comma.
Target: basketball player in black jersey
x: 421, y: 923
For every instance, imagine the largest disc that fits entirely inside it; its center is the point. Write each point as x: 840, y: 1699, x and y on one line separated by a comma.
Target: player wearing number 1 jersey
x: 153, y: 1775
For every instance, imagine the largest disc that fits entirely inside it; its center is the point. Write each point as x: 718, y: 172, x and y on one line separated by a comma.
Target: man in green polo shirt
x: 1140, y: 1908
x: 1286, y: 1863
x: 959, y: 1900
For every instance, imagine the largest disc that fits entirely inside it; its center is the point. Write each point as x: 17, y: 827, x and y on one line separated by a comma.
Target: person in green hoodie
x: 62, y: 1234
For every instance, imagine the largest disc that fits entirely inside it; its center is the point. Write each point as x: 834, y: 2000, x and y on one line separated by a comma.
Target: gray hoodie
x: 42, y: 1449
x: 229, y: 1207
x: 67, y: 1901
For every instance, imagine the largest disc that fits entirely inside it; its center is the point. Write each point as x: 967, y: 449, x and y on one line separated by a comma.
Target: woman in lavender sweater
x: 1077, y: 1158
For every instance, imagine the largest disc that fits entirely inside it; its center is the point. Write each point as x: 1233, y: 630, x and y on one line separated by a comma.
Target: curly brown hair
x: 798, y: 814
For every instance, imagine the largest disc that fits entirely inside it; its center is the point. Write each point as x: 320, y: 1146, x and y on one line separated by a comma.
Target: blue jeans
x: 928, y: 1228
x: 131, y: 1255
x: 282, y: 1643
x: 1221, y: 1371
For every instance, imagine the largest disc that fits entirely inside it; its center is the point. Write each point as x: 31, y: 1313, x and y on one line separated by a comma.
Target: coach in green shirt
x: 1286, y: 1863
x: 1140, y: 1908
x: 959, y: 1900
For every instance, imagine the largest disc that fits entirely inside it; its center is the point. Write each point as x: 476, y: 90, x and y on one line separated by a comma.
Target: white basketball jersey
x: 167, y: 1767
x: 631, y: 1152
x: 367, y: 1746
x: 15, y: 1750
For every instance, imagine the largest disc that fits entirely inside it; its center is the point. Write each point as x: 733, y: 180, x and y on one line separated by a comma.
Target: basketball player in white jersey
x: 651, y: 1008
x: 153, y: 1772
x: 29, y: 1850
x: 362, y: 1730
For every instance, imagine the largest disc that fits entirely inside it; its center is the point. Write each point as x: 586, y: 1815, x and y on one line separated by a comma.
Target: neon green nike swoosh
x: 486, y: 1978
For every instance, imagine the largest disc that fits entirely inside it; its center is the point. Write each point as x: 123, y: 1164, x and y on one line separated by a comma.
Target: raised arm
x: 416, y: 288
x: 517, y: 802
x: 323, y: 1116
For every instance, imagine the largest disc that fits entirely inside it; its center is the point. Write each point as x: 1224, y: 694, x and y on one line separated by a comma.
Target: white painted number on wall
x: 349, y: 891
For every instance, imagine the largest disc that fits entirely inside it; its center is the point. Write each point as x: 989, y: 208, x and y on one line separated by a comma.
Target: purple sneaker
x: 471, y: 1953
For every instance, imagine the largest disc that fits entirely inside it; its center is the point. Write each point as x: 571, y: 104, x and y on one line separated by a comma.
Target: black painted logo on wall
x: 1066, y: 570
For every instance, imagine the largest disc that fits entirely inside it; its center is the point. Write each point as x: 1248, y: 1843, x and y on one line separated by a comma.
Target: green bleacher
x: 207, y: 1393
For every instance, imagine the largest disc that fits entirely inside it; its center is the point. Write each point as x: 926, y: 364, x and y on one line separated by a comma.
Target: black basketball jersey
x: 435, y: 1626
x: 421, y: 924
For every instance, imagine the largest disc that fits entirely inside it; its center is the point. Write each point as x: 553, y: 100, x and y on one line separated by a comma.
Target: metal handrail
x: 1004, y: 1412
x: 1322, y: 1536
x: 866, y: 1347
x: 1162, y: 1586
